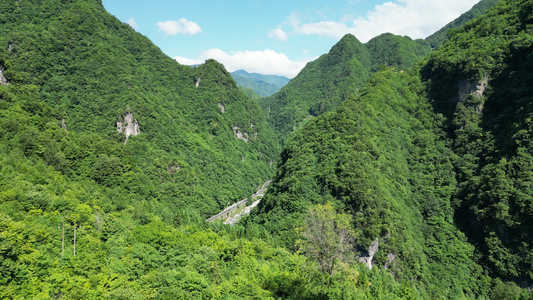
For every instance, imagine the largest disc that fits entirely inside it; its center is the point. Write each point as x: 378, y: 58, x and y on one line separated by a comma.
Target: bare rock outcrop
x: 476, y: 88
x: 63, y: 124
x: 129, y: 126
x: 372, y: 250
x: 222, y: 107
x: 3, y: 79
x: 390, y: 259
x: 239, y: 134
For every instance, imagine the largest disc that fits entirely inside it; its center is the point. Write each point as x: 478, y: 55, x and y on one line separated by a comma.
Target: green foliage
x: 75, y: 64
x: 490, y: 130
x: 438, y: 38
x: 326, y: 236
x: 324, y: 83
x: 319, y: 87
x: 396, y: 51
x: 382, y: 157
x: 249, y: 93
x: 408, y: 159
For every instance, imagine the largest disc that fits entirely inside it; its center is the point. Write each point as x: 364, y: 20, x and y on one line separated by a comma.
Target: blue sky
x: 277, y: 36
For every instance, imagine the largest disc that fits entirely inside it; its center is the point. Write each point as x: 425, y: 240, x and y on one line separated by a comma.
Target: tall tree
x: 326, y: 236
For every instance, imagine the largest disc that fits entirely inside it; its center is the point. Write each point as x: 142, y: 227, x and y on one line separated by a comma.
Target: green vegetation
x: 421, y: 170
x: 396, y: 51
x: 438, y: 38
x: 250, y: 93
x: 433, y: 163
x: 491, y: 133
x: 381, y: 157
x: 263, y: 85
x: 131, y: 241
x: 324, y: 83
x: 91, y: 70
x: 327, y: 237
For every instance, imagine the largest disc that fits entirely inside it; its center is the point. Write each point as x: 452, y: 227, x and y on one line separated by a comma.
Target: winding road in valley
x: 233, y: 213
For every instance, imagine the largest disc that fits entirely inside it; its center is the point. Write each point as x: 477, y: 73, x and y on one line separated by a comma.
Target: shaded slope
x: 435, y: 163
x: 491, y: 132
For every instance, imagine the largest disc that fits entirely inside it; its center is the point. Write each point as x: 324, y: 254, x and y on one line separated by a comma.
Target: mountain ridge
x: 416, y: 175
x: 324, y: 83
x: 263, y: 85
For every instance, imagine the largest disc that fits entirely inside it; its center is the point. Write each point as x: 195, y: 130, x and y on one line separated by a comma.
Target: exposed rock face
x: 129, y: 126
x: 372, y: 250
x: 63, y: 124
x: 476, y: 89
x: 222, y: 107
x: 390, y: 258
x: 3, y: 79
x: 239, y: 134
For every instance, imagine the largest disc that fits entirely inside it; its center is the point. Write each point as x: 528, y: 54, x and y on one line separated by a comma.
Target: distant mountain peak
x: 263, y: 85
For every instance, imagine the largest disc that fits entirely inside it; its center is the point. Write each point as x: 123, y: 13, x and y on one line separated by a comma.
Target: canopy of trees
x: 428, y: 165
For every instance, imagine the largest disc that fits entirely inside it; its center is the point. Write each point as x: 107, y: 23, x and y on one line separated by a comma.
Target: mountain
x: 95, y: 72
x: 486, y: 100
x: 433, y: 164
x: 250, y: 93
x: 395, y: 51
x: 382, y: 157
x: 416, y: 185
x: 107, y: 147
x: 324, y: 83
x: 263, y: 85
x: 439, y: 37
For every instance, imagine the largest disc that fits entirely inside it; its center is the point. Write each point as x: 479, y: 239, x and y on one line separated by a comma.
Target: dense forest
x: 404, y: 173
x: 324, y: 83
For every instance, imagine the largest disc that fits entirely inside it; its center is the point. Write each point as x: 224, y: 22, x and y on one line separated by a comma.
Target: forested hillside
x: 381, y: 157
x: 406, y: 175
x: 485, y: 92
x: 439, y: 37
x: 94, y: 71
x: 324, y: 83
x: 433, y: 163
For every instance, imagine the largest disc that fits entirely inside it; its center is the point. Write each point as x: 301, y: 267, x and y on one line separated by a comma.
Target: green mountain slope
x: 490, y: 130
x: 324, y: 83
x: 425, y: 172
x: 433, y: 163
x: 263, y: 85
x: 319, y: 87
x: 94, y: 71
x: 396, y: 51
x: 381, y: 157
x: 438, y: 38
x: 79, y: 219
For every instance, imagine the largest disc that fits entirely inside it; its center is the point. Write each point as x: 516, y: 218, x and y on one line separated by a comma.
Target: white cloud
x: 326, y: 28
x: 414, y: 18
x: 263, y: 62
x: 181, y: 26
x: 279, y: 34
x: 187, y: 61
x: 133, y: 24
